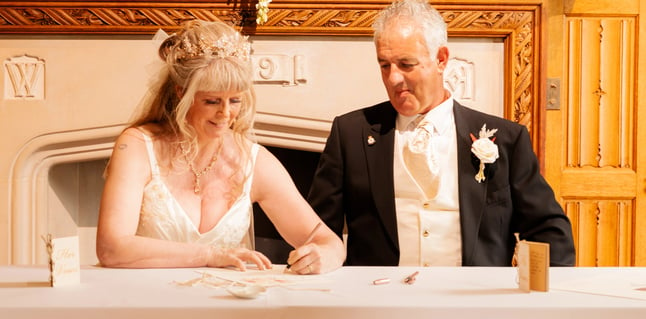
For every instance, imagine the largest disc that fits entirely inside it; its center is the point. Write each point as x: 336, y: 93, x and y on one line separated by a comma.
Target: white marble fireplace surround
x: 65, y: 98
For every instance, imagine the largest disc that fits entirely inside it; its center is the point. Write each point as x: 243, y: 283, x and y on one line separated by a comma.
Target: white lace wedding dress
x: 162, y: 217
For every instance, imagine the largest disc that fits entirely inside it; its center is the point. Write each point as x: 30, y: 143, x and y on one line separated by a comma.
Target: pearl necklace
x: 196, y: 185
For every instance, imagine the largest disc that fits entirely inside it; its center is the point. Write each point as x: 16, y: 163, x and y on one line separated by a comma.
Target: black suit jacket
x: 353, y: 187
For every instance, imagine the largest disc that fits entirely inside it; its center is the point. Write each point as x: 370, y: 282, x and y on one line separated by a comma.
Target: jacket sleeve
x: 537, y: 214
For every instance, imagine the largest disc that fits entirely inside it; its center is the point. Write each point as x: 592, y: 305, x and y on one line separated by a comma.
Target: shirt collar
x: 439, y: 116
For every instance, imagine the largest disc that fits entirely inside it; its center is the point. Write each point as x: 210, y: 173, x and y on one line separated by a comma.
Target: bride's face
x: 212, y: 113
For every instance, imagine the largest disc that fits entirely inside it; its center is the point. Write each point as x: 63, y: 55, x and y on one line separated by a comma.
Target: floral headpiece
x: 484, y: 149
x: 222, y: 48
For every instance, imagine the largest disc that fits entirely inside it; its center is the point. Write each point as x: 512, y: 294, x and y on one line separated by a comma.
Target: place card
x: 64, y: 260
x: 533, y: 262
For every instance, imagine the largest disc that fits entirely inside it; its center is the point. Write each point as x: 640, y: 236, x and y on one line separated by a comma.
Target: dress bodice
x: 162, y: 217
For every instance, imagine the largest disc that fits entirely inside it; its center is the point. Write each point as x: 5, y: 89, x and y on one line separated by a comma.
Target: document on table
x: 275, y: 277
x: 533, y: 262
x: 606, y: 285
x: 64, y: 260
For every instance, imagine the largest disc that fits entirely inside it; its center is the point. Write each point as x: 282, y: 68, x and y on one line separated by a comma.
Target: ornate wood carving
x: 517, y: 24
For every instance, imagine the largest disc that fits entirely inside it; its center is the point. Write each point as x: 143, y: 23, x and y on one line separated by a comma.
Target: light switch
x: 553, y: 94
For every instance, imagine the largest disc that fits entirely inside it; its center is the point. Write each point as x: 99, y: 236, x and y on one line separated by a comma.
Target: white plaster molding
x: 29, y: 171
x: 459, y: 78
x: 278, y: 69
x: 24, y: 78
x: 291, y: 132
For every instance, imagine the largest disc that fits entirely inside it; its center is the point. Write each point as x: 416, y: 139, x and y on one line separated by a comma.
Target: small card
x: 64, y: 260
x: 533, y: 262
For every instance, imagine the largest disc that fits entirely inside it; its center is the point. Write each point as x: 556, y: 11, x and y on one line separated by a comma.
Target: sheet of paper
x: 523, y: 266
x: 277, y: 276
x: 620, y: 284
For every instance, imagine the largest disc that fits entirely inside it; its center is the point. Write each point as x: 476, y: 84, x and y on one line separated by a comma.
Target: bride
x: 183, y: 176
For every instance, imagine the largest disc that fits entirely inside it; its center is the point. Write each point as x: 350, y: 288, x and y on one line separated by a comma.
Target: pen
x: 309, y: 237
x: 411, y: 278
x: 381, y: 281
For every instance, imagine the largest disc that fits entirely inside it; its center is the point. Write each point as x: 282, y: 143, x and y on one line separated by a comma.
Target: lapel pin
x: 371, y: 140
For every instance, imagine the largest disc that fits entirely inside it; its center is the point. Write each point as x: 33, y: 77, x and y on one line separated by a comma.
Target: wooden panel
x: 603, y: 231
x: 601, y: 6
x: 599, y: 183
x: 601, y: 94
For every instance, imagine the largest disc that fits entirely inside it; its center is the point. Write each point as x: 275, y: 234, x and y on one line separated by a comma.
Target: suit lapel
x: 471, y: 193
x: 379, y: 137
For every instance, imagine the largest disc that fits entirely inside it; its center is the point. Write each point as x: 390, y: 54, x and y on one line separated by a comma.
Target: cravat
x: 420, y: 159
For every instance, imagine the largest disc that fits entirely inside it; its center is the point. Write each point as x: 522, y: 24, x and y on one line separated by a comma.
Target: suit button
x: 426, y: 233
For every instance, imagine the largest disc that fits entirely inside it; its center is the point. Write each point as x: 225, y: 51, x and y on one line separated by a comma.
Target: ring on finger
x: 309, y: 268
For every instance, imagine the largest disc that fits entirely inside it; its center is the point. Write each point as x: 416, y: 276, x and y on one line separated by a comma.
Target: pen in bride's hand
x: 309, y: 237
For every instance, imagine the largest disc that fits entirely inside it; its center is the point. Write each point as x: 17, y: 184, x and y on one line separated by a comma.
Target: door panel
x: 592, y: 155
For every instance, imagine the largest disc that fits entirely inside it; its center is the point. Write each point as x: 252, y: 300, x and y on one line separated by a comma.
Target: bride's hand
x: 236, y: 257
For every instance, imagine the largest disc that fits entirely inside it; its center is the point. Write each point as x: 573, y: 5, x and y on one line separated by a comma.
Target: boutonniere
x: 484, y: 149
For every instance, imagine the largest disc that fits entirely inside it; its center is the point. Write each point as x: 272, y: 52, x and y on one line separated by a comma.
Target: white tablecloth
x: 460, y: 292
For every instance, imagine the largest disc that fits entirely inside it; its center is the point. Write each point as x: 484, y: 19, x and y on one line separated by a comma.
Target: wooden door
x: 595, y: 140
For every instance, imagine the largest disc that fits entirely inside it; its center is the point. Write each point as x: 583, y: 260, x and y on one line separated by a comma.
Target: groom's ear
x: 442, y: 58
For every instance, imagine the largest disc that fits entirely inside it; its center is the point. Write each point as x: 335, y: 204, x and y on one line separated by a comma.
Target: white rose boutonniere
x: 484, y: 149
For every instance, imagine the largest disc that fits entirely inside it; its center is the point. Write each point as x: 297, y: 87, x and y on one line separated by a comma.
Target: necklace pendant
x: 196, y: 188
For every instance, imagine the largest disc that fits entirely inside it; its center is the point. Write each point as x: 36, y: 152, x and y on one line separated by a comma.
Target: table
x: 440, y: 292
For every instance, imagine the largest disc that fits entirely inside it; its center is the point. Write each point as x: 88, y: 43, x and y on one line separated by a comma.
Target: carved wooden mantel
x: 518, y: 23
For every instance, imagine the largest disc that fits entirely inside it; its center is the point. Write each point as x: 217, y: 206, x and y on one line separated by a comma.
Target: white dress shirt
x: 429, y: 231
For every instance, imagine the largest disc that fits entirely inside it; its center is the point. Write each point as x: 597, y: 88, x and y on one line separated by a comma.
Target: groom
x: 486, y: 183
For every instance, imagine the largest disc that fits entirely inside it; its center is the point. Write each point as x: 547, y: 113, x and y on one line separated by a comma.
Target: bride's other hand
x: 237, y: 258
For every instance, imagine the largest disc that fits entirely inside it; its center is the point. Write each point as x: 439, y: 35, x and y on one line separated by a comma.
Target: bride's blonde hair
x: 202, y: 56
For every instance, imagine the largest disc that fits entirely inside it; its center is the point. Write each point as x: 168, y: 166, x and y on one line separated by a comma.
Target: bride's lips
x: 219, y: 124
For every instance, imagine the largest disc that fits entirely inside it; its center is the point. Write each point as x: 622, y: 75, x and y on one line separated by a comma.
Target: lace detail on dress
x: 162, y: 217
